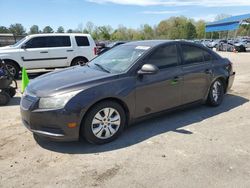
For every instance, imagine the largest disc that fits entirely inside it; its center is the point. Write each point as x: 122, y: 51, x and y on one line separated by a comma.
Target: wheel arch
x: 13, y: 61
x: 79, y: 57
x: 114, y: 99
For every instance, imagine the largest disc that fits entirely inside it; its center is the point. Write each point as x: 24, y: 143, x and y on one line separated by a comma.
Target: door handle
x: 175, y: 80
x: 44, y: 52
x: 70, y: 50
x: 208, y: 71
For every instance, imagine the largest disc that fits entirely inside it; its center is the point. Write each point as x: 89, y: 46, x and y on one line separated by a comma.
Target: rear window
x: 82, y: 41
x: 58, y: 41
x: 192, y: 54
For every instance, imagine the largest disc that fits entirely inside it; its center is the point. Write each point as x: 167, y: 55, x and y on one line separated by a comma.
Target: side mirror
x: 148, y: 69
x: 24, y: 46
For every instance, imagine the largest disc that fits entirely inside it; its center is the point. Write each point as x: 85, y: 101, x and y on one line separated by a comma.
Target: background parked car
x: 230, y: 46
x: 110, y: 46
x: 48, y: 51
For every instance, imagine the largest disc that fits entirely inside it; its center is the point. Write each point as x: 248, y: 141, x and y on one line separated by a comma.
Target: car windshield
x: 19, y: 42
x: 119, y: 59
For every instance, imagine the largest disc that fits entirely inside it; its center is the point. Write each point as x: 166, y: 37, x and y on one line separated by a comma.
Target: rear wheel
x: 79, y: 61
x: 216, y: 93
x: 11, y: 91
x: 4, y: 98
x: 13, y: 69
x: 103, y: 123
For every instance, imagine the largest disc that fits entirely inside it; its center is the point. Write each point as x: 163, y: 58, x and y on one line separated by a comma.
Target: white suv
x: 48, y: 51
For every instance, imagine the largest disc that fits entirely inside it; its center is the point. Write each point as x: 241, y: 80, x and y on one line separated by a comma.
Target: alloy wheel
x: 106, y: 123
x: 216, y: 90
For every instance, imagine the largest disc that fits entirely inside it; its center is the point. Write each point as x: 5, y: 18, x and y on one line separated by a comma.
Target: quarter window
x: 192, y: 54
x: 165, y: 56
x: 82, y: 41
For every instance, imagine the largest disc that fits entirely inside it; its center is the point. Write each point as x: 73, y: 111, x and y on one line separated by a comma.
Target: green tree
x: 147, y: 32
x: 34, y: 29
x: 4, y: 29
x: 17, y: 29
x: 48, y: 29
x: 60, y: 29
x: 89, y: 28
x: 70, y: 31
x: 190, y: 31
x: 104, y: 32
x: 200, y: 29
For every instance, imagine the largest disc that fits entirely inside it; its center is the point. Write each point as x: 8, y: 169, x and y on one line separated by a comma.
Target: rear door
x: 60, y: 50
x: 197, y: 73
x: 160, y: 91
x: 35, y: 54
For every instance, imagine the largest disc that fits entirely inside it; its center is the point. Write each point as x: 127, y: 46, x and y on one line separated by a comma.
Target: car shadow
x: 15, y: 101
x: 139, y: 132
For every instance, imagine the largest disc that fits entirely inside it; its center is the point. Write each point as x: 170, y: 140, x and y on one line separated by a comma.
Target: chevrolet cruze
x: 96, y: 101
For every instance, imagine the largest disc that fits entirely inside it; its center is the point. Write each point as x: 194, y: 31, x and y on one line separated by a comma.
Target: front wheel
x: 104, y: 122
x: 13, y: 69
x: 79, y: 61
x: 216, y: 93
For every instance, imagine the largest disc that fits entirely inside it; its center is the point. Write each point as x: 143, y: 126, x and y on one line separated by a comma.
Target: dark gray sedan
x: 136, y: 79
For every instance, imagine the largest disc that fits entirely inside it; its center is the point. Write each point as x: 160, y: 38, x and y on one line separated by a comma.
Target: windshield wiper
x: 101, y: 67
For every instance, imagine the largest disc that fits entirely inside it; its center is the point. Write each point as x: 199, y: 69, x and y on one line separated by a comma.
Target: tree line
x: 172, y: 28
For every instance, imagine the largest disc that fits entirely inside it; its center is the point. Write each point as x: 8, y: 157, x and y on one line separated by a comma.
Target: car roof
x: 153, y: 43
x: 60, y: 34
x: 150, y: 43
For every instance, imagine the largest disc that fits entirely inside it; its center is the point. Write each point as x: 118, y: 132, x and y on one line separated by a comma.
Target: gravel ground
x: 197, y: 147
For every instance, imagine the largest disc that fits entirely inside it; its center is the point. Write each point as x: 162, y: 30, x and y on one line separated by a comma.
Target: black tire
x: 213, y: 99
x: 86, y: 128
x: 79, y: 61
x: 13, y: 68
x: 11, y: 91
x: 4, y: 98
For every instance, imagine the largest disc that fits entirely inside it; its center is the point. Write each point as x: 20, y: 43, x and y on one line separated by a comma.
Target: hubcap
x: 216, y: 90
x: 80, y: 63
x: 11, y: 69
x: 106, y: 123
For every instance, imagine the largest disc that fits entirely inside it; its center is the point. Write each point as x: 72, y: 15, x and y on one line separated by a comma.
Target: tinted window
x: 82, y: 41
x: 192, y: 54
x: 38, y: 42
x: 58, y: 41
x: 164, y: 57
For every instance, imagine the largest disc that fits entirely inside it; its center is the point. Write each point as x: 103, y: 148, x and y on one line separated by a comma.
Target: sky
x: 72, y: 14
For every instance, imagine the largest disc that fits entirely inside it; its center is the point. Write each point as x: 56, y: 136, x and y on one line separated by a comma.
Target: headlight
x: 56, y: 102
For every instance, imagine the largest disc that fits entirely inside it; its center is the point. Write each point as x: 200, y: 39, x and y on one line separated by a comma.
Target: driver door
x: 35, y: 54
x: 160, y: 91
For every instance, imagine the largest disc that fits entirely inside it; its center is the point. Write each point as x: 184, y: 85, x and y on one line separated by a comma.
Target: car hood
x: 70, y: 79
x: 8, y: 49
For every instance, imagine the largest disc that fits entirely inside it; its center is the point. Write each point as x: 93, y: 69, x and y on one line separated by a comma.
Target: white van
x: 49, y: 51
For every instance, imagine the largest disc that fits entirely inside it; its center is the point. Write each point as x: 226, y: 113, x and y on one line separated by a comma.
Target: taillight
x: 95, y: 50
x: 229, y: 67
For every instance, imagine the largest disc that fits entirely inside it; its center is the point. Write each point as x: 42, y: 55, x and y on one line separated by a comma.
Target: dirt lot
x: 198, y: 147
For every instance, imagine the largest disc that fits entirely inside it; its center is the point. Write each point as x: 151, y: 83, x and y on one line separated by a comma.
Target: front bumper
x: 49, y: 123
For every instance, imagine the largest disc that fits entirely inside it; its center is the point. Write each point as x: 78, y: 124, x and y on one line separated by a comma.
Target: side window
x: 37, y: 42
x: 58, y: 41
x: 192, y: 54
x: 82, y: 41
x: 163, y: 57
